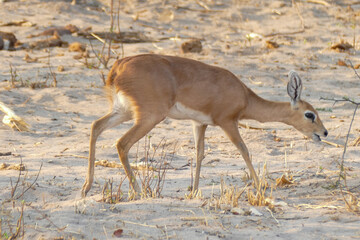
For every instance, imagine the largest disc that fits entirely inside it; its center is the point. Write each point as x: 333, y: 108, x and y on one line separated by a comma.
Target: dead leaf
x: 272, y: 45
x: 60, y: 68
x: 118, y: 233
x: 191, y: 46
x: 29, y: 59
x: 284, y: 180
x: 341, y: 63
x: 342, y: 46
x: 77, y: 47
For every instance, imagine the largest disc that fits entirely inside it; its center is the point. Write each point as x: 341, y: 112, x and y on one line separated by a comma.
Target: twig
x: 111, y: 29
x: 52, y: 74
x: 101, y: 40
x: 293, y: 32
x: 322, y: 2
x: 71, y: 155
x: 37, y: 176
x: 193, y: 219
x: 13, y: 189
x: 342, y: 173
x: 119, y: 29
x: 332, y: 144
x: 20, y: 220
x: 273, y: 216
x: 298, y: 13
x: 352, y: 66
x: 343, y: 99
x: 139, y: 224
x: 13, y: 76
x: 47, y: 218
x: 202, y: 4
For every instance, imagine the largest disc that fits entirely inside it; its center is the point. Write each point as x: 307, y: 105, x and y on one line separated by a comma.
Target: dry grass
x: 229, y: 197
x: 258, y: 197
x: 151, y: 171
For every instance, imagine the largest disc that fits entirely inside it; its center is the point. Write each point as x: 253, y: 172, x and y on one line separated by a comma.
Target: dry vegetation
x: 55, y: 57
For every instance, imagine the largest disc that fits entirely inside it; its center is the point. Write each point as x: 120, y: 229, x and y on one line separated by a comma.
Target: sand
x: 234, y: 35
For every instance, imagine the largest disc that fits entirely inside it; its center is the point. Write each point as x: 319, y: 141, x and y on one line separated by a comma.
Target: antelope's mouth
x: 316, y: 137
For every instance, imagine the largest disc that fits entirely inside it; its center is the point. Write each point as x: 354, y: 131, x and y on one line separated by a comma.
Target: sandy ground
x: 60, y: 118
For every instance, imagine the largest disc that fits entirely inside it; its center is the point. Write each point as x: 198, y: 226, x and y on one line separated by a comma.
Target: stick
x: 332, y: 144
x: 37, y: 176
x: 140, y: 224
x: 101, y: 40
x: 322, y: 2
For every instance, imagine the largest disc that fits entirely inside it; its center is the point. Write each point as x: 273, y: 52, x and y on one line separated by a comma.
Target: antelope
x: 148, y: 88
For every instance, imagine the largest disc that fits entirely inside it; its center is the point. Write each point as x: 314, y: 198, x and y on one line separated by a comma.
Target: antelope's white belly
x: 179, y: 111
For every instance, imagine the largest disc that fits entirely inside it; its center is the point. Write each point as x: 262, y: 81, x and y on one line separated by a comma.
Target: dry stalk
x: 119, y: 29
x: 13, y: 76
x: 103, y: 57
x: 153, y: 175
x: 52, y: 74
x: 108, y: 194
x: 20, y: 226
x: 194, y: 194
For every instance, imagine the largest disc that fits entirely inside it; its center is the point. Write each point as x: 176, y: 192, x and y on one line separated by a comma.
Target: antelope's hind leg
x: 141, y: 127
x: 199, y: 135
x: 110, y: 120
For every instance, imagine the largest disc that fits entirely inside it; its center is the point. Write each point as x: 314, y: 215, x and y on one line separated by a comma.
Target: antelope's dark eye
x: 310, y: 115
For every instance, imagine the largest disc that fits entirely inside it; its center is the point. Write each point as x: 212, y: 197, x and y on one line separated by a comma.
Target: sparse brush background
x: 54, y: 83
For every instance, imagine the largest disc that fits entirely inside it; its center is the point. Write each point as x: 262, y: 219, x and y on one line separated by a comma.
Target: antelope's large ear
x: 294, y: 87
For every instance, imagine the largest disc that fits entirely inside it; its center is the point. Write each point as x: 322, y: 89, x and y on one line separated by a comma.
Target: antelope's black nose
x: 326, y: 133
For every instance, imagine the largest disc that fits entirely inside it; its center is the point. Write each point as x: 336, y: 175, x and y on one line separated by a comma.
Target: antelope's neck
x: 263, y: 110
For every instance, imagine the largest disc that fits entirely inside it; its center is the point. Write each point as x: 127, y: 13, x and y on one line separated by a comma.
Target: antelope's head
x: 304, y: 117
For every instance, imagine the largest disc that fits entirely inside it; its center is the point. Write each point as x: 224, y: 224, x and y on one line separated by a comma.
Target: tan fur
x: 156, y: 87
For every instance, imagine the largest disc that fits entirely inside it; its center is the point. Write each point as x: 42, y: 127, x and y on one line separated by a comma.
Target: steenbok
x: 148, y: 88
